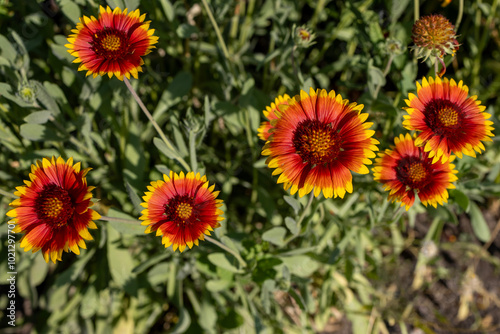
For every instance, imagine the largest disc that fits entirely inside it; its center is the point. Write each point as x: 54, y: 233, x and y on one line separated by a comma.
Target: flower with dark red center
x: 434, y: 36
x: 266, y: 127
x: 450, y: 120
x: 53, y: 209
x: 112, y: 44
x: 181, y: 208
x: 318, y: 140
x: 406, y: 170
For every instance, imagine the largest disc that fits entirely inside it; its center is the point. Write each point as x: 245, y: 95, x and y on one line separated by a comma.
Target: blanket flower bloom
x: 112, y: 44
x: 269, y: 113
x: 182, y: 209
x: 406, y: 169
x: 53, y: 209
x: 318, y: 140
x: 449, y: 120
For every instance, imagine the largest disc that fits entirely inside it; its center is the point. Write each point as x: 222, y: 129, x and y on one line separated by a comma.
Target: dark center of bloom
x: 110, y: 43
x: 179, y: 209
x: 413, y: 172
x: 443, y: 117
x: 54, y: 206
x: 316, y: 142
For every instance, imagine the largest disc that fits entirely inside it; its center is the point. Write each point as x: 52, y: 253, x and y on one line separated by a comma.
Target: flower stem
x: 386, y: 71
x: 308, y: 205
x: 416, y: 11
x: 7, y: 194
x: 121, y: 220
x: 156, y: 126
x: 460, y: 14
x: 301, y: 218
x: 227, y: 249
x: 216, y: 28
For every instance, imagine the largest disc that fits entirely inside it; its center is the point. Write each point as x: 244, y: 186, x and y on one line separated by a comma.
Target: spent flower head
x: 303, y: 37
x: 434, y: 36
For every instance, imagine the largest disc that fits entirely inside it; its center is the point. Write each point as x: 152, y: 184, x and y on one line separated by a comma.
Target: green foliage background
x: 335, y: 264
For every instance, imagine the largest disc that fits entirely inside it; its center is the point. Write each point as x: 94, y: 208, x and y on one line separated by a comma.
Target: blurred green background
x: 355, y: 265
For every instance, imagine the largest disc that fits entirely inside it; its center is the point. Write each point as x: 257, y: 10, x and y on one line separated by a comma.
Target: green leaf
x: 160, y: 145
x: 218, y: 285
x: 275, y: 236
x: 90, y: 303
x: 39, y: 132
x: 300, y: 265
x: 460, y: 198
x: 121, y: 263
x: 45, y: 98
x: 207, y: 317
x: 186, y: 30
x: 177, y: 89
x: 134, y: 198
x: 266, y: 294
x: 38, y: 272
x: 38, y: 117
x: 291, y: 224
x: 479, y: 225
x: 71, y: 10
x: 159, y: 274
x: 397, y: 8
x: 293, y: 202
x: 128, y: 224
x: 7, y: 50
x: 222, y: 260
x: 184, y: 322
x: 168, y: 9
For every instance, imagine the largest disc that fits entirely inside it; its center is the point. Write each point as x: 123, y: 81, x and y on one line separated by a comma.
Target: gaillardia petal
x: 52, y: 210
x: 182, y: 209
x: 112, y: 44
x: 406, y: 170
x: 449, y: 120
x: 318, y: 139
x: 266, y: 127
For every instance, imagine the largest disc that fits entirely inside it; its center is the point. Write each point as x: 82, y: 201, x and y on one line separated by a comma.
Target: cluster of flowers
x: 314, y: 141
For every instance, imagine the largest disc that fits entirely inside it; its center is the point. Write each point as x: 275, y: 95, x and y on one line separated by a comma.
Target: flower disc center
x: 417, y: 172
x: 443, y: 117
x: 448, y: 116
x: 110, y: 43
x: 412, y: 172
x: 54, y: 205
x: 316, y: 142
x: 179, y: 209
x: 184, y: 210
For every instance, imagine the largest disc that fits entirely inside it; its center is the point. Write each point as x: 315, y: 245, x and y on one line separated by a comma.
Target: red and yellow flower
x: 317, y: 141
x: 53, y: 209
x: 269, y: 113
x: 449, y: 120
x: 182, y: 209
x: 112, y: 44
x: 406, y: 169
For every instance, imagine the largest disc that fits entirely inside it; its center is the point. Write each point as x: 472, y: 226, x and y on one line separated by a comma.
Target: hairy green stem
x: 155, y: 125
x: 227, y: 249
x: 217, y: 30
x: 7, y: 194
x: 416, y: 10
x: 460, y: 14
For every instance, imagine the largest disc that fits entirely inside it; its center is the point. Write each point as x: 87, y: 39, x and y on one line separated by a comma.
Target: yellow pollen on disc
x: 319, y: 143
x: 184, y: 210
x: 448, y: 116
x: 417, y: 172
x: 111, y: 42
x: 52, y: 207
